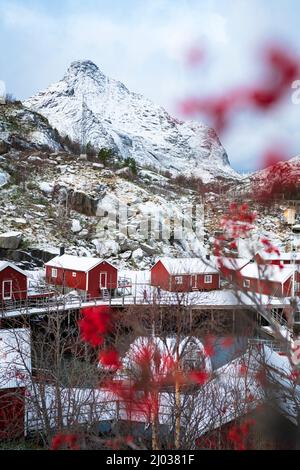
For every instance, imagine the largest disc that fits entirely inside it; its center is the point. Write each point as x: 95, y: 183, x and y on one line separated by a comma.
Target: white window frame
x: 54, y: 273
x: 10, y: 290
x: 74, y: 274
x: 246, y: 283
x: 207, y: 278
x: 178, y: 280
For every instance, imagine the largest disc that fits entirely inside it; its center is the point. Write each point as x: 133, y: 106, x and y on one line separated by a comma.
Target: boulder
x: 10, y: 240
x: 46, y: 187
x: 128, y: 245
x: 138, y: 255
x: 150, y: 250
x: 98, y: 166
x: 107, y: 173
x: 20, y: 221
x: 79, y: 201
x: 123, y: 171
x: 126, y: 255
x: 84, y: 233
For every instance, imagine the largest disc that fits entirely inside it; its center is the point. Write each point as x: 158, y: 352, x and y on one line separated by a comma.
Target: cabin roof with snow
x: 233, y: 263
x: 281, y: 257
x: 75, y: 263
x: 187, y: 266
x: 15, y: 356
x: 272, y: 273
x: 7, y: 264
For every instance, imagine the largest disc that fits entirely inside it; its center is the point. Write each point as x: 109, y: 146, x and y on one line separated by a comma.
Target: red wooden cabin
x: 13, y: 282
x: 267, y: 279
x: 92, y: 276
x: 184, y: 275
x: 15, y: 369
x: 12, y: 413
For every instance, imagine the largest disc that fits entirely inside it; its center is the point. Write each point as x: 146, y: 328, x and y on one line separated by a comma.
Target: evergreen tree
x: 106, y: 156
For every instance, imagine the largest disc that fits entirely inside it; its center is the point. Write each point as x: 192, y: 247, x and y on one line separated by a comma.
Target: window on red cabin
x: 54, y: 272
x: 74, y: 274
x: 246, y: 283
x: 178, y: 280
x: 208, y: 279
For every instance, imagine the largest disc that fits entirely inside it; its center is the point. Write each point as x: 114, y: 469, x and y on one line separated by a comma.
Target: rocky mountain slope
x: 22, y: 128
x: 90, y: 107
x: 57, y: 199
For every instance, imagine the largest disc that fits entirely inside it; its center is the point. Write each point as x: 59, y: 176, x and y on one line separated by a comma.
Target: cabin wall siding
x: 12, y: 413
x: 19, y: 283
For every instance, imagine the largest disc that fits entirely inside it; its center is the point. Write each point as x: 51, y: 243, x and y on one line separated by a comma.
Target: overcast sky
x: 143, y: 43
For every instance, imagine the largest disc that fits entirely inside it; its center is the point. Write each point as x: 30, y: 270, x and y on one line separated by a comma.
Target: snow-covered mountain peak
x: 82, y: 66
x: 83, y: 71
x: 88, y: 106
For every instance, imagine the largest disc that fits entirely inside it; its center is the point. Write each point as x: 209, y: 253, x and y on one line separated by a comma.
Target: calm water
x: 223, y: 355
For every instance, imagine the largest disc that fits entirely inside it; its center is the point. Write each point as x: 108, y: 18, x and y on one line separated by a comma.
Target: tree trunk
x: 154, y: 420
x: 177, y: 397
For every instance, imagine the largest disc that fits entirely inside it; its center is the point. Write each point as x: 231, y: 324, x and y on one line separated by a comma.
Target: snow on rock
x: 86, y: 102
x: 4, y: 178
x: 26, y: 128
x: 138, y: 255
x: 20, y: 221
x: 76, y: 226
x: 106, y: 247
x: 46, y: 187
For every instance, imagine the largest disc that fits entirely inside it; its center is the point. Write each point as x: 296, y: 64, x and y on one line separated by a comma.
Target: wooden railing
x: 65, y: 302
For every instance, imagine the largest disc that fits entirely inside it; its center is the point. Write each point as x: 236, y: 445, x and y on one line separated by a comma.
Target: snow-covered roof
x: 233, y: 263
x: 15, y: 357
x: 268, y: 272
x: 290, y: 256
x: 6, y: 264
x: 75, y: 263
x: 230, y: 390
x: 187, y: 265
x: 190, y: 348
x: 74, y: 400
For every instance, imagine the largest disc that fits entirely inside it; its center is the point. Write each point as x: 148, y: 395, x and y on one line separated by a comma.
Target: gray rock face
x: 83, y: 203
x: 10, y: 240
x: 79, y: 201
x: 22, y: 128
